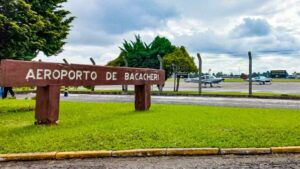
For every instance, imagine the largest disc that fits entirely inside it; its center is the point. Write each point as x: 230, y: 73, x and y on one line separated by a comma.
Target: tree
x: 182, y: 62
x: 219, y: 74
x: 140, y: 54
x: 30, y: 26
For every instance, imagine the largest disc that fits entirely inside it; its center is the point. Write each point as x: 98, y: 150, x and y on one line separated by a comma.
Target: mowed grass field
x: 113, y: 126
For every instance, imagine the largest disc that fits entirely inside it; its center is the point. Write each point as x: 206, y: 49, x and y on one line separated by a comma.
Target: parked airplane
x: 206, y: 79
x: 262, y: 80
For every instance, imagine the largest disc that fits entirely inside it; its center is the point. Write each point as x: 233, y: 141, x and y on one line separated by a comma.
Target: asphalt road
x: 276, y: 87
x: 213, y: 101
x: 267, y: 161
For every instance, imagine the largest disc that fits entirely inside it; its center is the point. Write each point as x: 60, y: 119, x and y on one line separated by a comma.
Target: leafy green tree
x: 140, y: 54
x: 219, y: 74
x: 182, y: 61
x: 30, y: 26
x: 179, y: 61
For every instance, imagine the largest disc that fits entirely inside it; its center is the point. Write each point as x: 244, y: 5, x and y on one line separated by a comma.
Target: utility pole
x: 200, y: 73
x: 160, y: 87
x: 250, y: 73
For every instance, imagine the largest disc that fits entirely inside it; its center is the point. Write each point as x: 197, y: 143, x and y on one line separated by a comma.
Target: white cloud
x: 223, y: 30
x: 82, y: 54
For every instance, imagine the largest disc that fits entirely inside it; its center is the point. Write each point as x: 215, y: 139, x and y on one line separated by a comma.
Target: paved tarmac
x: 212, y: 101
x: 276, y: 87
x: 266, y: 161
x: 190, y: 100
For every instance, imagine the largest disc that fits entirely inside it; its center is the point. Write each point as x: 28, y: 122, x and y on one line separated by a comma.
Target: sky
x: 222, y: 31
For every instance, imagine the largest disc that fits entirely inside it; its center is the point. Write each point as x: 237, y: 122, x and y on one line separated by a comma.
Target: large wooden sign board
x: 49, y: 77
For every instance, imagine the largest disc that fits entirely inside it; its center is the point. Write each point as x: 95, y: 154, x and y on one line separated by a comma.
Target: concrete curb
x: 147, y: 153
x: 28, y: 156
x: 140, y: 152
x: 192, y: 151
x: 82, y: 154
x: 292, y: 149
x: 245, y: 151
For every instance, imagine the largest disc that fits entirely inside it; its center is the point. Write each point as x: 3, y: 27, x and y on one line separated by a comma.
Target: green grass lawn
x: 111, y: 126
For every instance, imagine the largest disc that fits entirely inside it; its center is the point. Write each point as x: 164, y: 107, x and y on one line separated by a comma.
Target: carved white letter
x: 30, y: 74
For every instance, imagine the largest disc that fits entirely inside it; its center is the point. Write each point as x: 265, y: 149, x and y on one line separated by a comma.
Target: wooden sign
x: 48, y: 77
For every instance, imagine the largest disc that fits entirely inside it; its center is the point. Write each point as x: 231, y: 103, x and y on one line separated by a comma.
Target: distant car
x: 206, y: 79
x: 262, y: 80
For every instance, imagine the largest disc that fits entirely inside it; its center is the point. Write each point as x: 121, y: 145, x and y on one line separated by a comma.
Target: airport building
x: 279, y: 74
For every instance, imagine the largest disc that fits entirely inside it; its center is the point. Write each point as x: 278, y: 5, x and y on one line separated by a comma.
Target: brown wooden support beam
x: 142, y: 97
x: 47, y: 104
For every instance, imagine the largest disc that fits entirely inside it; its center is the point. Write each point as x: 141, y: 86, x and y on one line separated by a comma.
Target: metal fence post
x: 250, y: 73
x: 94, y: 63
x: 65, y: 61
x: 125, y: 87
x: 200, y: 73
x: 174, y: 72
x: 66, y: 92
x: 160, y: 87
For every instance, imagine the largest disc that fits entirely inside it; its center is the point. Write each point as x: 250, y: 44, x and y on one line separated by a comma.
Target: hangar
x: 279, y: 74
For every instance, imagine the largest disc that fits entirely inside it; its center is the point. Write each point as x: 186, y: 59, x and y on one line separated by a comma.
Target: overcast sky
x: 221, y: 30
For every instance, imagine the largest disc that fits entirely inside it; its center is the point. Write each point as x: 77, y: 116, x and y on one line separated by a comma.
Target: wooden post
x: 47, y: 104
x: 142, y: 97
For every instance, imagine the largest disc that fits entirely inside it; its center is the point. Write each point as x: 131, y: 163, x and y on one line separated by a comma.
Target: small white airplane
x: 206, y: 79
x: 262, y: 80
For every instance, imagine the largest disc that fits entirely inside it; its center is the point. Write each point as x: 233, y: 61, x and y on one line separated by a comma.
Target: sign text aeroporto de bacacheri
x: 48, y: 77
